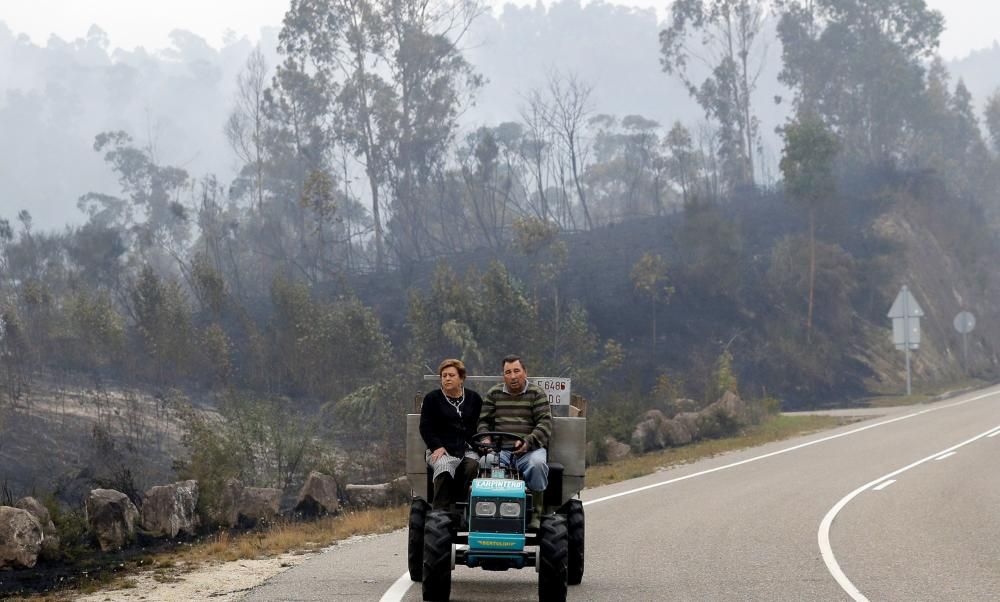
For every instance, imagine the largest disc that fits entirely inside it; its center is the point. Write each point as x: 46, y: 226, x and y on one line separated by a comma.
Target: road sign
x: 556, y: 389
x: 965, y: 322
x: 906, y: 313
x: 900, y: 336
x: 905, y: 305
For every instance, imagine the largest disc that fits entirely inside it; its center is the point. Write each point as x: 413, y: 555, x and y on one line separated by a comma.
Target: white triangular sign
x: 905, y: 306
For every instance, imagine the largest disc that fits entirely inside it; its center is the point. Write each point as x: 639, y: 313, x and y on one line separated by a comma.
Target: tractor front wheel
x: 575, y: 527
x: 437, y: 556
x: 415, y: 542
x: 553, y: 552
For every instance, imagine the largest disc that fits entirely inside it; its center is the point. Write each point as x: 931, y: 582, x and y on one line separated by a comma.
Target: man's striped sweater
x: 526, y: 414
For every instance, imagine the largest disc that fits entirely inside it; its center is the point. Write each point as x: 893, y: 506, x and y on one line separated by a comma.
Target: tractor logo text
x: 500, y: 484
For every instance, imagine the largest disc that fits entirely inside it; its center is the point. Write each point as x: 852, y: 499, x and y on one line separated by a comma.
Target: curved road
x: 904, y: 506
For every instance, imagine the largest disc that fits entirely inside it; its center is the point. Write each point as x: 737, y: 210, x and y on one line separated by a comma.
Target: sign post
x: 906, y: 313
x: 964, y: 323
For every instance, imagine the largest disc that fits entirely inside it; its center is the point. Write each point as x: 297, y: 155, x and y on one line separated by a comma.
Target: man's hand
x: 437, y: 453
x: 486, y: 441
x: 520, y: 447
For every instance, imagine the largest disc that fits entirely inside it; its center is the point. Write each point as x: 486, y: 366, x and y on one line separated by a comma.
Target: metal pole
x: 906, y: 336
x: 965, y: 351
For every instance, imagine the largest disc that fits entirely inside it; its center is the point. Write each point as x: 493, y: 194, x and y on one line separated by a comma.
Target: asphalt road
x: 881, y: 510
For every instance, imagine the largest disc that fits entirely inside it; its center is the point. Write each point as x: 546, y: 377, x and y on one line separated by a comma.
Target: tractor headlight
x: 486, y: 508
x: 510, y: 509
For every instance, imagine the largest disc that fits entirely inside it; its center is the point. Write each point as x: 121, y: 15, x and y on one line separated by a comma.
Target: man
x: 520, y: 408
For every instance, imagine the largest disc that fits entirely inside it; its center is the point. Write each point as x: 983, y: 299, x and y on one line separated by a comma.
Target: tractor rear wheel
x: 415, y: 542
x: 575, y: 527
x: 437, y: 556
x: 553, y: 544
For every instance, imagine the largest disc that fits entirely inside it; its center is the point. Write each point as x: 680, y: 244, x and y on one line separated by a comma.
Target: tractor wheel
x: 437, y: 556
x: 575, y: 527
x: 415, y: 543
x: 553, y: 544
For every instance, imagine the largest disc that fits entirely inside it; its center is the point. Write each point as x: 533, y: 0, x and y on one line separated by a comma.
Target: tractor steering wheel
x: 500, y: 441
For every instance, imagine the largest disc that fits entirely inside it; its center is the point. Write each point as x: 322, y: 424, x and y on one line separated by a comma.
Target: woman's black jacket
x: 442, y: 426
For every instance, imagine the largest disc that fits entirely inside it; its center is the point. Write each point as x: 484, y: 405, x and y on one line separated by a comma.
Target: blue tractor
x: 491, y: 530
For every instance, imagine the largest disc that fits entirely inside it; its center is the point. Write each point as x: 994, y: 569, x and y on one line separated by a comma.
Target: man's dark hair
x: 510, y: 359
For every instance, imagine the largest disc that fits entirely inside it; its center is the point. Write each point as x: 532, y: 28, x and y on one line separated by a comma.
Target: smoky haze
x: 56, y: 98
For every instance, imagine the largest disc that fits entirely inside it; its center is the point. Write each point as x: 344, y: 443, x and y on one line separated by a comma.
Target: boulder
x: 170, y: 509
x: 646, y: 435
x: 688, y: 421
x: 229, y: 502
x: 734, y: 406
x: 675, y: 432
x: 111, y: 516
x: 50, y: 543
x: 616, y: 450
x: 318, y: 495
x: 258, y: 504
x: 21, y: 538
x: 381, y: 494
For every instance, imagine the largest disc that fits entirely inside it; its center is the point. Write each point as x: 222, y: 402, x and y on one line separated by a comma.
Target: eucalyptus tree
x: 151, y: 216
x: 245, y: 128
x: 993, y: 119
x: 807, y: 164
x: 650, y: 279
x: 566, y: 109
x: 722, y: 37
x: 859, y: 65
x: 396, y: 81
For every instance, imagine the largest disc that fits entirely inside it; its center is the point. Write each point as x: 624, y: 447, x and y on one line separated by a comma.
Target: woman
x: 448, y: 418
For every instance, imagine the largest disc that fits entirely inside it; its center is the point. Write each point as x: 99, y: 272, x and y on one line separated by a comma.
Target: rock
x: 50, y: 543
x: 258, y: 504
x: 21, y: 538
x: 646, y: 435
x: 381, y: 494
x: 688, y: 421
x: 318, y: 495
x: 229, y: 502
x: 675, y: 432
x: 616, y: 450
x: 734, y: 406
x: 111, y: 516
x: 170, y: 509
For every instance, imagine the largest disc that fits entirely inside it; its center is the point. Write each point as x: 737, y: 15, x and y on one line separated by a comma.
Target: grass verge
x: 774, y: 428
x: 924, y: 395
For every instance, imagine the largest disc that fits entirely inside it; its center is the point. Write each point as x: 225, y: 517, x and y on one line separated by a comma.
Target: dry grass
x: 775, y: 428
x: 289, y: 537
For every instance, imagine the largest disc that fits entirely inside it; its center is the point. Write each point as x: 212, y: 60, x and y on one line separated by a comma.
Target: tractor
x: 491, y: 529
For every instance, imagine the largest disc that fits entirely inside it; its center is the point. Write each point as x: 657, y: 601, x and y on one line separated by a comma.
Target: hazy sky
x: 971, y: 24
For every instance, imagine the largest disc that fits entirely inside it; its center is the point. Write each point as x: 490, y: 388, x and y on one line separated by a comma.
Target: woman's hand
x: 437, y: 453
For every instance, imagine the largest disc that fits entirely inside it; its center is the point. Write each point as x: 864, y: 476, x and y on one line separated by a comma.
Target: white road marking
x: 824, y: 527
x: 884, y: 485
x: 787, y: 449
x: 994, y: 434
x: 400, y: 587
x: 947, y: 455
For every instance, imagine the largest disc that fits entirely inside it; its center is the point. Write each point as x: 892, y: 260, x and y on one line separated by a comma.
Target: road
x: 904, y: 506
